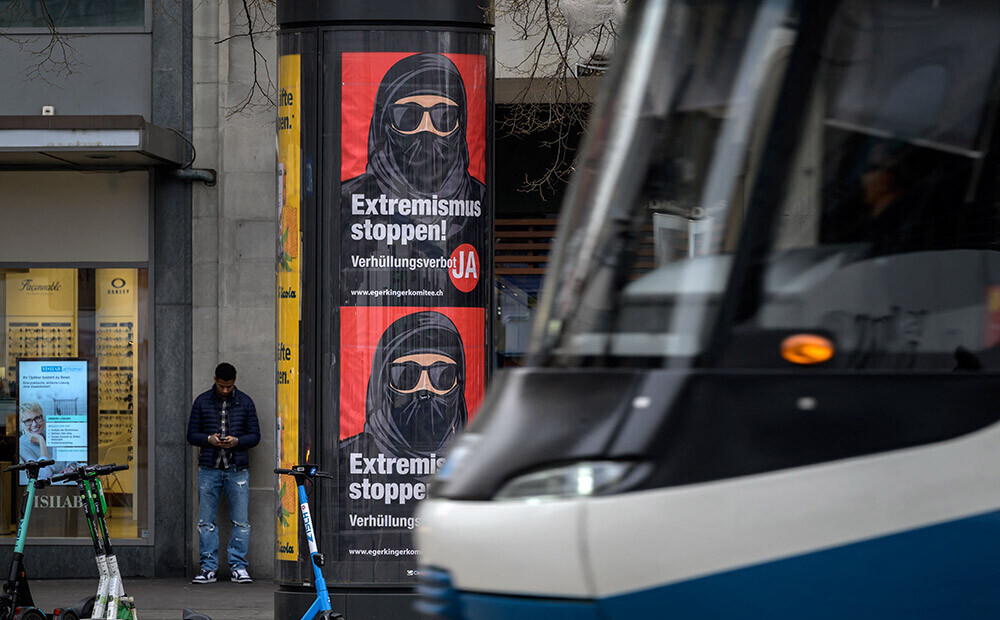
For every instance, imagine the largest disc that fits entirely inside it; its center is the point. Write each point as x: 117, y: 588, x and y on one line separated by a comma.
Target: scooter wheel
x: 66, y: 614
x: 29, y: 613
x: 84, y: 608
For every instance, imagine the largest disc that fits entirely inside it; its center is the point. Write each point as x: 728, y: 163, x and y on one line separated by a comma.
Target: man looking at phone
x: 224, y: 425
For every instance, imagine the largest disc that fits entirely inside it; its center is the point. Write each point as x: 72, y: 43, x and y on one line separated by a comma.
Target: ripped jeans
x: 236, y: 483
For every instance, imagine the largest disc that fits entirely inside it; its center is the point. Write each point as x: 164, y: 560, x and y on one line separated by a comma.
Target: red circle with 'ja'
x: 463, y: 268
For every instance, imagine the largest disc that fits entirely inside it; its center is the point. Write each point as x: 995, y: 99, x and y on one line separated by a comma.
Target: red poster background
x: 360, y: 329
x: 361, y: 73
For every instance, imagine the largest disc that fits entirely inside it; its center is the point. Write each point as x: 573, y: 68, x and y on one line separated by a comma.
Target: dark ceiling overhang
x: 87, y: 143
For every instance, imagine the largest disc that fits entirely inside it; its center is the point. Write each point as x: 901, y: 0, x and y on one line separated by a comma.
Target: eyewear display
x: 32, y: 340
x: 116, y: 388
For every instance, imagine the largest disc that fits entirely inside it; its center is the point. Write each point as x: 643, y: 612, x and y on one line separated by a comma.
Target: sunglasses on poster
x: 405, y: 376
x: 409, y: 116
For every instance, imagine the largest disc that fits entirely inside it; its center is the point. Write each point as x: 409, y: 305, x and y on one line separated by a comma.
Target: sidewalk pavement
x: 165, y: 599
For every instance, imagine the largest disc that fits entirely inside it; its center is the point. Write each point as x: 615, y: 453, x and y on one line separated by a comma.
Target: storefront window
x: 74, y: 389
x: 71, y: 13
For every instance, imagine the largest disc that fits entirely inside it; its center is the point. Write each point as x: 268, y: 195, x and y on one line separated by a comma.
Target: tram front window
x: 662, y: 177
x: 865, y: 210
x: 887, y: 239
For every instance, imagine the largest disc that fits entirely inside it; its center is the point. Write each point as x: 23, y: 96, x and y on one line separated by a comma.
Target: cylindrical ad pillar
x: 404, y: 176
x: 410, y: 150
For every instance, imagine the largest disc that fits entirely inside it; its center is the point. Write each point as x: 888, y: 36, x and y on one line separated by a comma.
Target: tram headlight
x: 574, y: 480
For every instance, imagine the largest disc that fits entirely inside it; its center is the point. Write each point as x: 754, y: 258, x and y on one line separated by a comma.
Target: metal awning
x: 87, y: 142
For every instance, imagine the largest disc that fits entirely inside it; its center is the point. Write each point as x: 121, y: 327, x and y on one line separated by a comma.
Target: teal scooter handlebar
x: 36, y: 465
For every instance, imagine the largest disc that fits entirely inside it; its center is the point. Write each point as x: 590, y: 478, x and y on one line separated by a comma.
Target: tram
x: 764, y: 365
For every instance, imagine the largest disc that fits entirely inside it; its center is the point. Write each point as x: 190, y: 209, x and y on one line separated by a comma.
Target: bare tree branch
x: 56, y: 57
x: 241, y: 35
x: 554, y: 101
x: 258, y: 16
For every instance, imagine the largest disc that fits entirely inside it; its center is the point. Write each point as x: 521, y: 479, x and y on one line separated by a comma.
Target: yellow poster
x: 117, y: 317
x: 289, y: 295
x: 41, y: 315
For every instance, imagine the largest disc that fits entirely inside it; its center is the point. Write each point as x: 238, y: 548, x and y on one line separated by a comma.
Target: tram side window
x: 904, y: 269
x: 897, y: 197
x: 900, y: 266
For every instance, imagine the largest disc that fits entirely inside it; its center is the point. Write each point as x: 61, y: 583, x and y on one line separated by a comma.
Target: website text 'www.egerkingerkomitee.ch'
x: 378, y: 552
x: 387, y: 292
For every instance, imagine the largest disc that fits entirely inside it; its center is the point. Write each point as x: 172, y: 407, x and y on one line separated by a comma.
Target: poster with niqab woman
x: 413, y: 169
x: 411, y: 380
x: 415, y: 228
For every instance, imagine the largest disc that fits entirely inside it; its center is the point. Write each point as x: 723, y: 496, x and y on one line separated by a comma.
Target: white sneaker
x: 240, y: 575
x: 205, y: 576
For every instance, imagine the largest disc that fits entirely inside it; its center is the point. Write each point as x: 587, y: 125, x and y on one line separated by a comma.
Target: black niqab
x: 420, y: 423
x: 421, y: 164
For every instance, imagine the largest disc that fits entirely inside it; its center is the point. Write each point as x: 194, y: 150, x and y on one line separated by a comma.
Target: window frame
x: 146, y: 28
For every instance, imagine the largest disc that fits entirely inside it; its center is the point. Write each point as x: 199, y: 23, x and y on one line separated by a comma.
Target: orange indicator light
x: 806, y: 349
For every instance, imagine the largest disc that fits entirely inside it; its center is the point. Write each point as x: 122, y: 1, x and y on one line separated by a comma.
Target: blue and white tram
x: 765, y: 378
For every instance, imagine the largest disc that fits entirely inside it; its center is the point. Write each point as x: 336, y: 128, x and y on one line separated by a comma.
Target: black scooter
x: 16, y: 602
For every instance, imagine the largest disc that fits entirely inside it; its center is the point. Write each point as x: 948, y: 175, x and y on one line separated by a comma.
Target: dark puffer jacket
x: 204, y: 421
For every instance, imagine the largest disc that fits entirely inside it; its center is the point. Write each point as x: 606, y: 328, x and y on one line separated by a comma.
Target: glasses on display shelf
x: 121, y: 394
x: 115, y: 350
x: 116, y: 384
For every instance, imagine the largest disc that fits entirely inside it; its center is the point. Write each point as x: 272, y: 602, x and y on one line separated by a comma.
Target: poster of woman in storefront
x: 33, y: 445
x: 52, y: 412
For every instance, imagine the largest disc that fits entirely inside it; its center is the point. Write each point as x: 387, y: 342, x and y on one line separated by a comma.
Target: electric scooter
x: 16, y: 602
x: 321, y: 607
x: 110, y: 603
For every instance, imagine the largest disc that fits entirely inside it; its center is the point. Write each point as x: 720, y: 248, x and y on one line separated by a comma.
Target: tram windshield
x: 757, y: 170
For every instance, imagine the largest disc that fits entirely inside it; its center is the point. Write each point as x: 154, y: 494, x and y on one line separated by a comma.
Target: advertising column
x: 416, y: 222
x: 385, y: 175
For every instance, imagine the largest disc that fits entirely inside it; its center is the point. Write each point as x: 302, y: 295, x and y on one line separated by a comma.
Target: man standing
x: 224, y: 425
